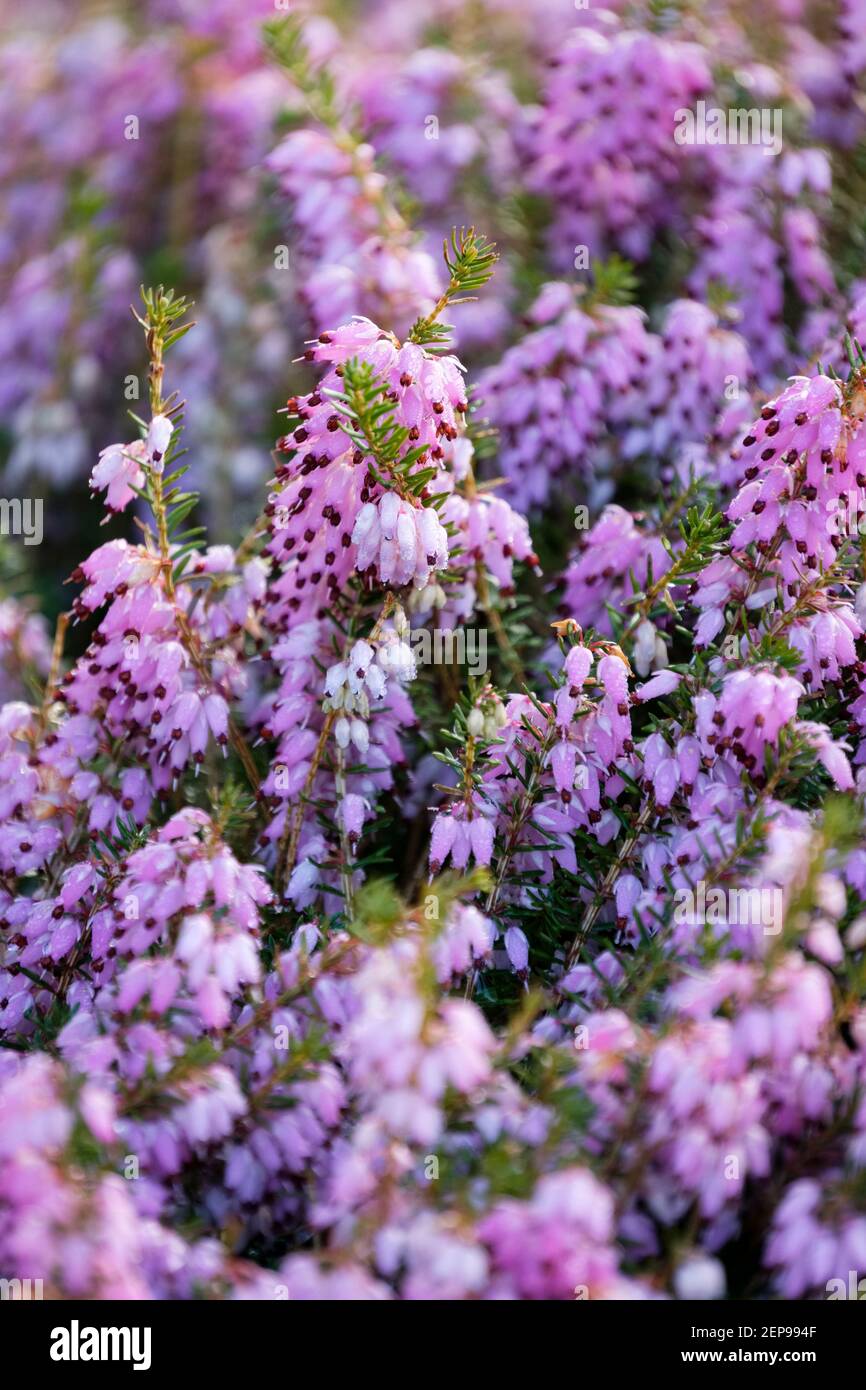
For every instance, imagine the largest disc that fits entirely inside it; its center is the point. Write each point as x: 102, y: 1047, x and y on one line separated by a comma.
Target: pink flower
x: 119, y: 471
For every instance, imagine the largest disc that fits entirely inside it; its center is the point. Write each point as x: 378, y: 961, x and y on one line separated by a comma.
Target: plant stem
x: 609, y: 882
x: 346, y: 864
x: 156, y: 326
x: 518, y: 825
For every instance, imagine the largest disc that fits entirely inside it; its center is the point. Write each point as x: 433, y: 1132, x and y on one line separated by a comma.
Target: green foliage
x: 83, y: 1150
x: 721, y: 298
x: 112, y: 849
x: 378, y: 909
x: 163, y: 309
x: 614, y: 281
x: 470, y: 261
x: 776, y: 651
x: 284, y: 40
x: 369, y: 420
x: 172, y: 505
x: 702, y: 532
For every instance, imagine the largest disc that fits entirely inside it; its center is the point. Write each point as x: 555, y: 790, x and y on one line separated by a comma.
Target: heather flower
x: 119, y: 472
x: 358, y: 252
x: 326, y: 497
x: 437, y: 1262
x: 809, y: 1253
x: 602, y: 144
x: 558, y: 1242
x: 611, y: 551
x: 466, y: 938
x: 557, y: 394
x: 24, y: 646
x: 86, y: 1235
x: 488, y: 536
x: 214, y: 950
x: 800, y: 469
x: 700, y: 1278
x: 716, y: 1104
x: 584, y: 742
x: 599, y: 385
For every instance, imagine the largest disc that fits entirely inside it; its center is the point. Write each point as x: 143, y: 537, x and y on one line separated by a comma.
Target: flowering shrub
x: 336, y: 962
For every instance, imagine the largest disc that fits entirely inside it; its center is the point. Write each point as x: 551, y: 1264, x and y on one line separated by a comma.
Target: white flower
x: 700, y: 1278
x: 158, y: 439
x: 475, y: 723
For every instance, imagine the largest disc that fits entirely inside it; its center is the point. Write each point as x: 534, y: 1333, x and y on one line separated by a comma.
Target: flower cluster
x: 597, y: 388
